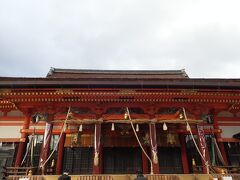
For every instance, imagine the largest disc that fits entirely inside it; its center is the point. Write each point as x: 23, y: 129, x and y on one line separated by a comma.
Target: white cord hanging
x: 135, y: 133
x: 28, y: 148
x: 190, y: 130
x: 56, y: 145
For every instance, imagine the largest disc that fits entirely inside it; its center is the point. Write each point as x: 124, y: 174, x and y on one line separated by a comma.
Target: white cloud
x: 201, y: 36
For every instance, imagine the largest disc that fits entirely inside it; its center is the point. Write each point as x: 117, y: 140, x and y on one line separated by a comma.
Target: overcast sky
x: 202, y: 37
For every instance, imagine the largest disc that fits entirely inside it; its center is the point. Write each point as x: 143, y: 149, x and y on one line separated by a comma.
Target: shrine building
x: 119, y: 122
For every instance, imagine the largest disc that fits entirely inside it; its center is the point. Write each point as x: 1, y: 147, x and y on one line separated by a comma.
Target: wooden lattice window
x: 122, y: 160
x: 78, y: 160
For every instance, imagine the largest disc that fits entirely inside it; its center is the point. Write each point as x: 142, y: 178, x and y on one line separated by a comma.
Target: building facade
x: 118, y: 122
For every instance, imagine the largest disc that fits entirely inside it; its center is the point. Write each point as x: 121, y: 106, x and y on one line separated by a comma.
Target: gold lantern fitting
x: 30, y: 173
x: 181, y: 116
x: 126, y: 116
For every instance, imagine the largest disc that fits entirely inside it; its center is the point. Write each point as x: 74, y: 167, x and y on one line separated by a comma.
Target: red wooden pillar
x: 144, y: 162
x: 60, y: 154
x: 221, y: 146
x: 203, y: 149
x: 184, y: 154
x: 97, y: 167
x: 22, y: 145
x: 153, y: 147
x: 46, y: 145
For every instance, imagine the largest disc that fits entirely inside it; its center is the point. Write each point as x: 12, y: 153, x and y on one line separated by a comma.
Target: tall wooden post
x: 46, y: 144
x: 97, y: 168
x: 220, y: 145
x: 22, y: 145
x: 184, y: 154
x: 60, y: 154
x: 153, y: 146
x: 203, y: 149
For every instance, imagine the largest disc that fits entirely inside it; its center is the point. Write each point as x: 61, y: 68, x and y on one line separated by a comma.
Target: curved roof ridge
x: 55, y: 71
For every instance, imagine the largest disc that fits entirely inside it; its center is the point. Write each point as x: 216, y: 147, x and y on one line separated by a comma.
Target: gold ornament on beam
x: 171, y: 139
x: 126, y: 116
x: 146, y: 140
x: 181, y: 116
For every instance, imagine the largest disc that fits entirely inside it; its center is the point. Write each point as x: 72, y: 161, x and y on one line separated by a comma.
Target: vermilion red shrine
x: 75, y: 120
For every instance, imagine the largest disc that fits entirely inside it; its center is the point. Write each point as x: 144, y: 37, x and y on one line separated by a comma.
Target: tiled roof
x: 119, y: 74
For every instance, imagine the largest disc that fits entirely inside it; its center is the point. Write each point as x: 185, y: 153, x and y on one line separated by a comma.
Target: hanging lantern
x: 181, y: 116
x: 80, y: 128
x: 113, y: 127
x: 126, y: 115
x: 165, y: 126
x: 137, y: 128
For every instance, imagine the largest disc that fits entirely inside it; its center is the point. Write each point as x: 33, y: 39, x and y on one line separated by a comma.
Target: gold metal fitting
x: 30, y: 172
x: 126, y: 116
x: 181, y: 116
